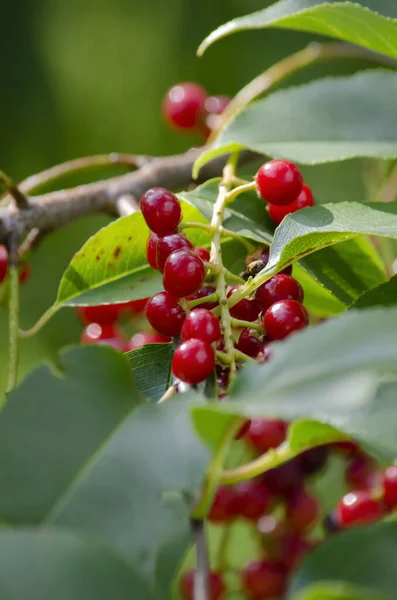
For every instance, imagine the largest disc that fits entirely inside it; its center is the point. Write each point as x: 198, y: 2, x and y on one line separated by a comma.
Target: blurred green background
x: 87, y: 76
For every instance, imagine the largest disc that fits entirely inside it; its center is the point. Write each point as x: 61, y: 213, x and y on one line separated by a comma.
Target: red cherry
x: 202, y: 293
x: 390, y: 487
x: 293, y: 548
x: 358, y: 507
x: 216, y: 104
x: 151, y: 249
x: 305, y: 198
x: 279, y: 287
x: 164, y: 314
x: 224, y: 506
x: 302, y: 511
x: 242, y: 432
x: 137, y: 307
x: 245, y: 310
x: 264, y: 434
x: 252, y: 499
x: 347, y: 448
x: 3, y: 262
x: 216, y: 585
x: 146, y: 337
x: 161, y: 210
x: 184, y: 273
x: 284, y: 480
x: 314, y: 460
x: 24, y: 273
x: 203, y: 253
x: 360, y: 472
x: 201, y: 324
x: 106, y: 334
x: 169, y: 244
x: 279, y: 182
x: 193, y: 361
x: 285, y: 317
x: 183, y: 104
x: 250, y: 343
x: 102, y: 314
x: 264, y: 579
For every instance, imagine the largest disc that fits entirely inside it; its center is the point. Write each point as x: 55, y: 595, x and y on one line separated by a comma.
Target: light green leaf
x: 363, y: 557
x: 326, y: 120
x: 45, y: 564
x: 319, y: 300
x: 151, y: 367
x: 369, y: 23
x: 384, y: 294
x: 337, y: 591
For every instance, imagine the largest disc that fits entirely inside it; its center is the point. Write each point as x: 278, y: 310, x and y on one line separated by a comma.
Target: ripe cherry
x: 161, y: 210
x: 293, y: 547
x: 201, y: 324
x: 106, y: 334
x: 284, y: 480
x: 3, y: 262
x: 245, y: 310
x: 184, y: 273
x: 264, y: 579
x: 390, y: 487
x: 216, y: 585
x: 285, y: 317
x: 146, y: 337
x: 167, y: 245
x: 305, y: 198
x: 193, y: 361
x: 242, y: 432
x: 279, y: 182
x: 250, y: 342
x: 136, y: 307
x: 183, y: 105
x: 252, y: 499
x: 264, y: 434
x: 202, y: 293
x: 302, y: 510
x: 358, y: 507
x: 314, y: 460
x: 224, y: 506
x: 102, y: 314
x: 279, y: 287
x: 203, y: 253
x: 151, y: 249
x: 164, y: 314
x: 360, y: 472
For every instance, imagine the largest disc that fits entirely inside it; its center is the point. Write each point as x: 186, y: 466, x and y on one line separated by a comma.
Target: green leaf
x: 44, y: 564
x: 337, y: 591
x: 369, y: 23
x: 362, y: 557
x: 323, y: 121
x: 151, y: 367
x: 382, y: 295
x: 318, y: 300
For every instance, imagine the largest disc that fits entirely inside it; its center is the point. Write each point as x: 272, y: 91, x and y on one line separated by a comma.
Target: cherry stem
x: 223, y: 357
x: 241, y: 356
x: 252, y: 325
x: 183, y: 302
x: 246, y: 187
x: 193, y: 225
x: 210, y: 298
x: 13, y: 313
x: 232, y: 277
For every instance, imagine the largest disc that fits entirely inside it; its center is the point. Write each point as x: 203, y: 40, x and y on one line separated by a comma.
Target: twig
x: 20, y: 199
x: 201, y: 584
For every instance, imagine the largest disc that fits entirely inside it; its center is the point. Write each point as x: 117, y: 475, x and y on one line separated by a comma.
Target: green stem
x: 210, y: 298
x: 249, y: 324
x: 194, y: 225
x: 241, y: 356
x: 227, y: 233
x: 246, y: 187
x: 270, y: 460
x: 232, y: 277
x: 40, y: 323
x: 223, y: 357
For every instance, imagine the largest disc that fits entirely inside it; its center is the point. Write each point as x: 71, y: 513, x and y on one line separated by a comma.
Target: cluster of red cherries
x: 24, y: 271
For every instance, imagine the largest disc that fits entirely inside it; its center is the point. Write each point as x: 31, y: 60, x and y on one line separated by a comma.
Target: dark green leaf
x: 151, y: 367
x: 319, y: 300
x: 50, y: 563
x: 362, y: 557
x: 383, y: 295
x: 326, y: 120
x: 337, y: 591
x: 370, y: 23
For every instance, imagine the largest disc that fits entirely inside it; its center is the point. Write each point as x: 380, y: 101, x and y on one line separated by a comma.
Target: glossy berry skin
x: 358, y: 508
x: 305, y: 199
x: 3, y: 262
x: 202, y: 325
x: 249, y: 343
x: 284, y: 480
x: 252, y: 499
x: 24, y: 273
x: 302, y: 511
x: 279, y: 182
x: 285, y: 317
x: 390, y: 487
x: 245, y: 310
x: 202, y: 293
x: 203, y: 253
x: 183, y: 105
x: 224, y: 506
x: 279, y: 287
x: 264, y: 579
x: 217, y: 588
x: 151, y: 249
x: 164, y: 314
x: 106, y: 334
x: 264, y: 434
x: 184, y: 273
x: 193, y: 361
x: 161, y: 210
x: 102, y: 314
x: 167, y: 245
x: 146, y: 337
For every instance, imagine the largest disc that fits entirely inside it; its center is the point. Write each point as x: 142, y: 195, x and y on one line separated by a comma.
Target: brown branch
x: 51, y: 211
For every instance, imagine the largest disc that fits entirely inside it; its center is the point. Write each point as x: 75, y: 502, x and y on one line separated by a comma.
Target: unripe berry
x: 184, y: 273
x: 305, y: 199
x: 161, y: 210
x: 183, y: 105
x: 164, y: 314
x: 285, y: 317
x: 193, y: 361
x: 279, y: 182
x: 201, y: 324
